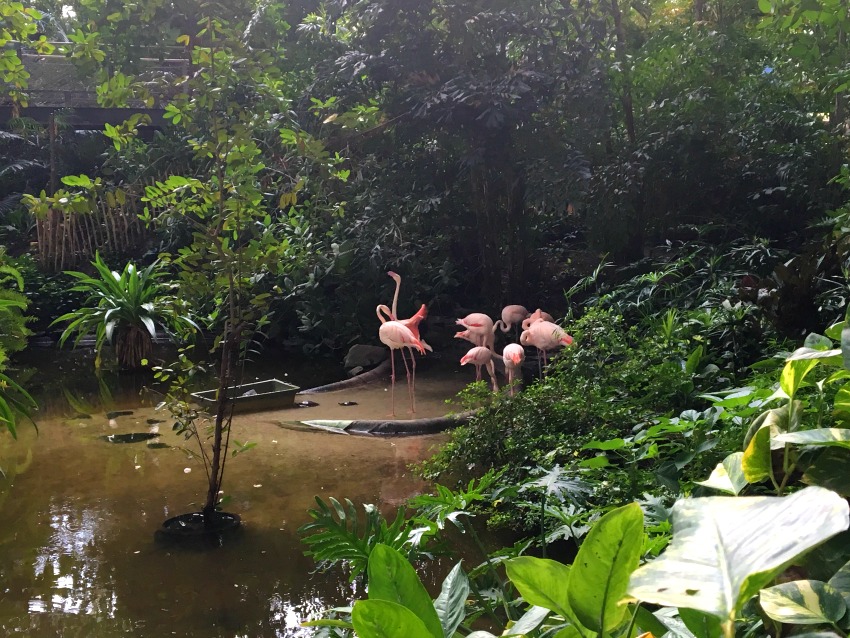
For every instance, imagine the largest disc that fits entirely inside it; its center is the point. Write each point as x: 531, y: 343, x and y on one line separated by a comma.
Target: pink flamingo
x: 513, y: 356
x: 545, y: 336
x: 481, y: 356
x: 390, y: 314
x: 480, y: 327
x: 537, y: 315
x: 512, y: 315
x: 395, y: 335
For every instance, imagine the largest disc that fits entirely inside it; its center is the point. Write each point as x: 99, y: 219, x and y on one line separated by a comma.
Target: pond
x: 77, y: 549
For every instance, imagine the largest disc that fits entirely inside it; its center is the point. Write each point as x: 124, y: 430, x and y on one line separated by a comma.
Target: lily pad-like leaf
x: 601, y: 570
x: 725, y: 549
x: 728, y: 476
x: 822, y: 436
x: 803, y: 602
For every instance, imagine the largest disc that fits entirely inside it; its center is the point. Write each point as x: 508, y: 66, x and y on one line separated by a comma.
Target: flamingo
x: 537, y: 315
x: 545, y: 336
x: 395, y: 335
x: 513, y: 356
x: 481, y: 356
x: 480, y: 327
x: 512, y: 315
x: 413, y: 340
x: 390, y: 314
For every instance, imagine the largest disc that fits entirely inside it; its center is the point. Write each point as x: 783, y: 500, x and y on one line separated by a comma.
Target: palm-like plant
x: 124, y: 309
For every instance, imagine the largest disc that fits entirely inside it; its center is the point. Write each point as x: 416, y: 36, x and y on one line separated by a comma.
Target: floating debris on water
x: 306, y: 404
x: 132, y: 437
x: 347, y: 403
x: 249, y: 393
x: 81, y: 416
x: 117, y: 413
x: 154, y: 421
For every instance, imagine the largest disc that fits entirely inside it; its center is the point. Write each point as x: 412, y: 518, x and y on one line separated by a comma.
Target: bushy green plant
x: 124, y: 309
x: 724, y: 557
x: 613, y: 379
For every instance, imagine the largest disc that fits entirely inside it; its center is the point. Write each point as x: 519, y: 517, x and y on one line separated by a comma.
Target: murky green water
x: 77, y: 550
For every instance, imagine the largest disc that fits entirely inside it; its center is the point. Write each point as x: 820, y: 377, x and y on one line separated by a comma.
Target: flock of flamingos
x: 538, y: 330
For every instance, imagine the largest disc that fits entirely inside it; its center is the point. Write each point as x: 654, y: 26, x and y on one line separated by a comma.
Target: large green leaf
x: 839, y: 437
x: 451, y: 603
x: 728, y: 476
x: 725, y: 549
x: 385, y: 619
x: 541, y: 582
x: 601, y: 570
x: 803, y: 602
x: 392, y: 578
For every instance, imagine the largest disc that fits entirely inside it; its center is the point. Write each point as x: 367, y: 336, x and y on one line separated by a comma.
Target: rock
x: 353, y: 372
x: 365, y: 356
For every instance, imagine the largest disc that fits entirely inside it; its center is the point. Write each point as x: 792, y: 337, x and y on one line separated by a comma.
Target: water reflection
x: 77, y: 556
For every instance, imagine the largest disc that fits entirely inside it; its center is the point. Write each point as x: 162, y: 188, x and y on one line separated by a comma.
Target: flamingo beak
x: 567, y: 340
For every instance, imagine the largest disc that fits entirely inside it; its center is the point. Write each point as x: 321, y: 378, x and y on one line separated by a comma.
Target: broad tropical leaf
x: 541, y: 582
x: 725, y: 549
x: 392, y: 578
x: 728, y: 476
x: 601, y: 570
x: 803, y: 602
x: 385, y: 619
x: 839, y: 437
x: 451, y: 603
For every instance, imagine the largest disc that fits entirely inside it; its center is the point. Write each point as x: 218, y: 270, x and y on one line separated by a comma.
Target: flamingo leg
x: 491, y: 368
x: 413, y: 383
x: 511, y: 380
x: 392, y: 381
x: 407, y: 369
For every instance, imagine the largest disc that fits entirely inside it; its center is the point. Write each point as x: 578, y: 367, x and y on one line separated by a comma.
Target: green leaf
x: 649, y: 622
x: 541, y: 582
x: 802, y: 602
x: 765, y: 6
x: 385, y: 619
x: 529, y: 621
x: 392, y: 578
x: 612, y: 444
x: 728, y: 476
x: 701, y: 624
x: 451, y: 603
x: 600, y: 573
x: 795, y: 370
x: 725, y: 549
x: 839, y: 437
x: 831, y: 469
x: 757, y: 461
x: 840, y: 582
x: 845, y: 347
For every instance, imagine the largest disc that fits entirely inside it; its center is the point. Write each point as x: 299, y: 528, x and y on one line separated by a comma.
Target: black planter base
x: 193, y: 529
